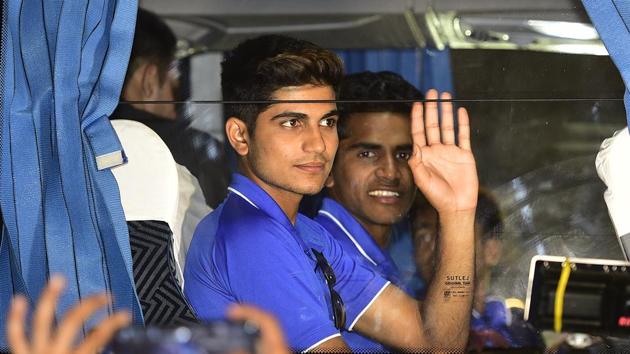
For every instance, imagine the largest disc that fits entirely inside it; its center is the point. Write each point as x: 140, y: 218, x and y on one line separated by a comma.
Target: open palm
x: 444, y: 171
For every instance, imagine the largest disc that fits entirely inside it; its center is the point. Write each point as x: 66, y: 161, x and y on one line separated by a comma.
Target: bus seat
x: 614, y: 170
x: 161, y: 203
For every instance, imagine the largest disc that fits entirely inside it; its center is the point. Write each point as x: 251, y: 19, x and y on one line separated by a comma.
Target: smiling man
x: 371, y: 185
x: 256, y: 248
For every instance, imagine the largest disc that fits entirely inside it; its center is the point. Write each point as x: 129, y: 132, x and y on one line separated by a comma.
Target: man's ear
x: 150, y: 81
x: 237, y: 134
x: 330, y: 181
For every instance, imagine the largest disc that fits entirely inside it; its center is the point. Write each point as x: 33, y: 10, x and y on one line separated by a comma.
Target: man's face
x: 294, y: 144
x: 488, y: 251
x: 371, y: 177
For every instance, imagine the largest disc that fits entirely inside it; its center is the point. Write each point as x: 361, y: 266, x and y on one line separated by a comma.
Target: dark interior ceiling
x: 210, y: 25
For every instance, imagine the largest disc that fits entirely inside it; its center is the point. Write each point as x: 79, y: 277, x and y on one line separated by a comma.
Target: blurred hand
x: 272, y: 339
x: 46, y: 340
x: 445, y: 172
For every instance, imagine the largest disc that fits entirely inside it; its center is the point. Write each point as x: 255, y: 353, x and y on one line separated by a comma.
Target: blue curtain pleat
x: 611, y: 18
x: 63, y: 63
x: 436, y: 71
x: 424, y: 68
x: 405, y: 62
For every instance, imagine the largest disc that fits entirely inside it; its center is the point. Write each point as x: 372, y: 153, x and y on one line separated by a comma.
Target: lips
x: 311, y: 167
x: 383, y: 193
x: 385, y: 196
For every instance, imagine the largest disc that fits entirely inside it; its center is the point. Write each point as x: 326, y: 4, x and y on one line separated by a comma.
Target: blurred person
x: 46, y: 338
x: 257, y: 248
x: 153, y: 75
x: 488, y: 243
x: 494, y: 324
x: 371, y: 187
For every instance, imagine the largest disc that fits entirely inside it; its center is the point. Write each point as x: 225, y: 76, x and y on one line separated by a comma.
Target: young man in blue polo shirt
x: 256, y: 248
x: 371, y: 185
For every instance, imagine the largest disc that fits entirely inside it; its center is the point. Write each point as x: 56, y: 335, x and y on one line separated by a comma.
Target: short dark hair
x: 369, y: 86
x: 153, y: 42
x: 257, y: 67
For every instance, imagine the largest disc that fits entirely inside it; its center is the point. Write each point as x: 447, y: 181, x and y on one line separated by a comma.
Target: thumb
x: 420, y: 172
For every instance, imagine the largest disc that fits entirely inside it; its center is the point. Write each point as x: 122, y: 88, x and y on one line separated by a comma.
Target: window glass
x: 540, y: 90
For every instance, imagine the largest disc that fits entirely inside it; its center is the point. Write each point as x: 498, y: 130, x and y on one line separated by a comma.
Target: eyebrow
x: 299, y: 115
x: 372, y: 146
x: 332, y: 113
x: 404, y: 147
x: 366, y: 146
x: 289, y: 114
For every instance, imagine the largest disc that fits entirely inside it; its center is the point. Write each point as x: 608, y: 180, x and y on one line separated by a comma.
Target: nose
x: 388, y: 169
x: 314, y: 141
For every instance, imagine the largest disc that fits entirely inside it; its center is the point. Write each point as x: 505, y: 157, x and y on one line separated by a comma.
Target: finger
x: 272, y: 335
x: 463, y: 123
x: 431, y: 118
x: 45, y: 313
x: 420, y: 172
x: 103, y: 333
x: 16, y: 324
x: 249, y: 313
x: 74, y: 319
x: 417, y: 125
x: 448, y: 133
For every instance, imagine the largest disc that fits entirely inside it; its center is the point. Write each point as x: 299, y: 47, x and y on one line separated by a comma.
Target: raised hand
x: 444, y: 171
x: 62, y: 341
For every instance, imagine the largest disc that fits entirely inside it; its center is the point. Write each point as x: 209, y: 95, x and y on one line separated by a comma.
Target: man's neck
x: 289, y: 202
x: 130, y: 111
x: 380, y: 233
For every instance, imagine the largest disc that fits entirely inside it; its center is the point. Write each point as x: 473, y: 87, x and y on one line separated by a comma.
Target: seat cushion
x: 161, y: 297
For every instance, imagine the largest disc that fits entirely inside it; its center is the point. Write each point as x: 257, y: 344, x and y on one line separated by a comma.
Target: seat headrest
x: 614, y: 171
x: 148, y: 182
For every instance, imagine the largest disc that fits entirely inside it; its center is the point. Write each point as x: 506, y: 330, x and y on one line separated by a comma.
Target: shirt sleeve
x: 202, y: 286
x: 357, y: 284
x: 263, y: 265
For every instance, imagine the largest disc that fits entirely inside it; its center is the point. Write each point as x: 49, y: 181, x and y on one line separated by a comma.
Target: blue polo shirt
x: 247, y: 251
x: 358, y: 243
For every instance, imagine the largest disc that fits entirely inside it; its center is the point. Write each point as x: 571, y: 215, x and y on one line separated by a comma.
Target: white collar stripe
x: 321, y: 341
x: 243, y: 196
x: 356, y: 244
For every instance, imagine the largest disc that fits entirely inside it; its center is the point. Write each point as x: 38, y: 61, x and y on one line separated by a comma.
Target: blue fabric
x: 495, y: 317
x: 405, y: 62
x: 612, y: 21
x: 247, y: 251
x: 436, y: 71
x: 424, y: 68
x: 358, y: 243
x: 64, y: 65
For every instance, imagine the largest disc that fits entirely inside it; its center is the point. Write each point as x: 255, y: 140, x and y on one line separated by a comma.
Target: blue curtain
x: 63, y: 64
x: 424, y: 68
x: 612, y: 21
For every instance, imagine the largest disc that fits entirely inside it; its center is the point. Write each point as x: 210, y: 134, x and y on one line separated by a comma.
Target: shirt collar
x: 253, y: 194
x: 354, y: 230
